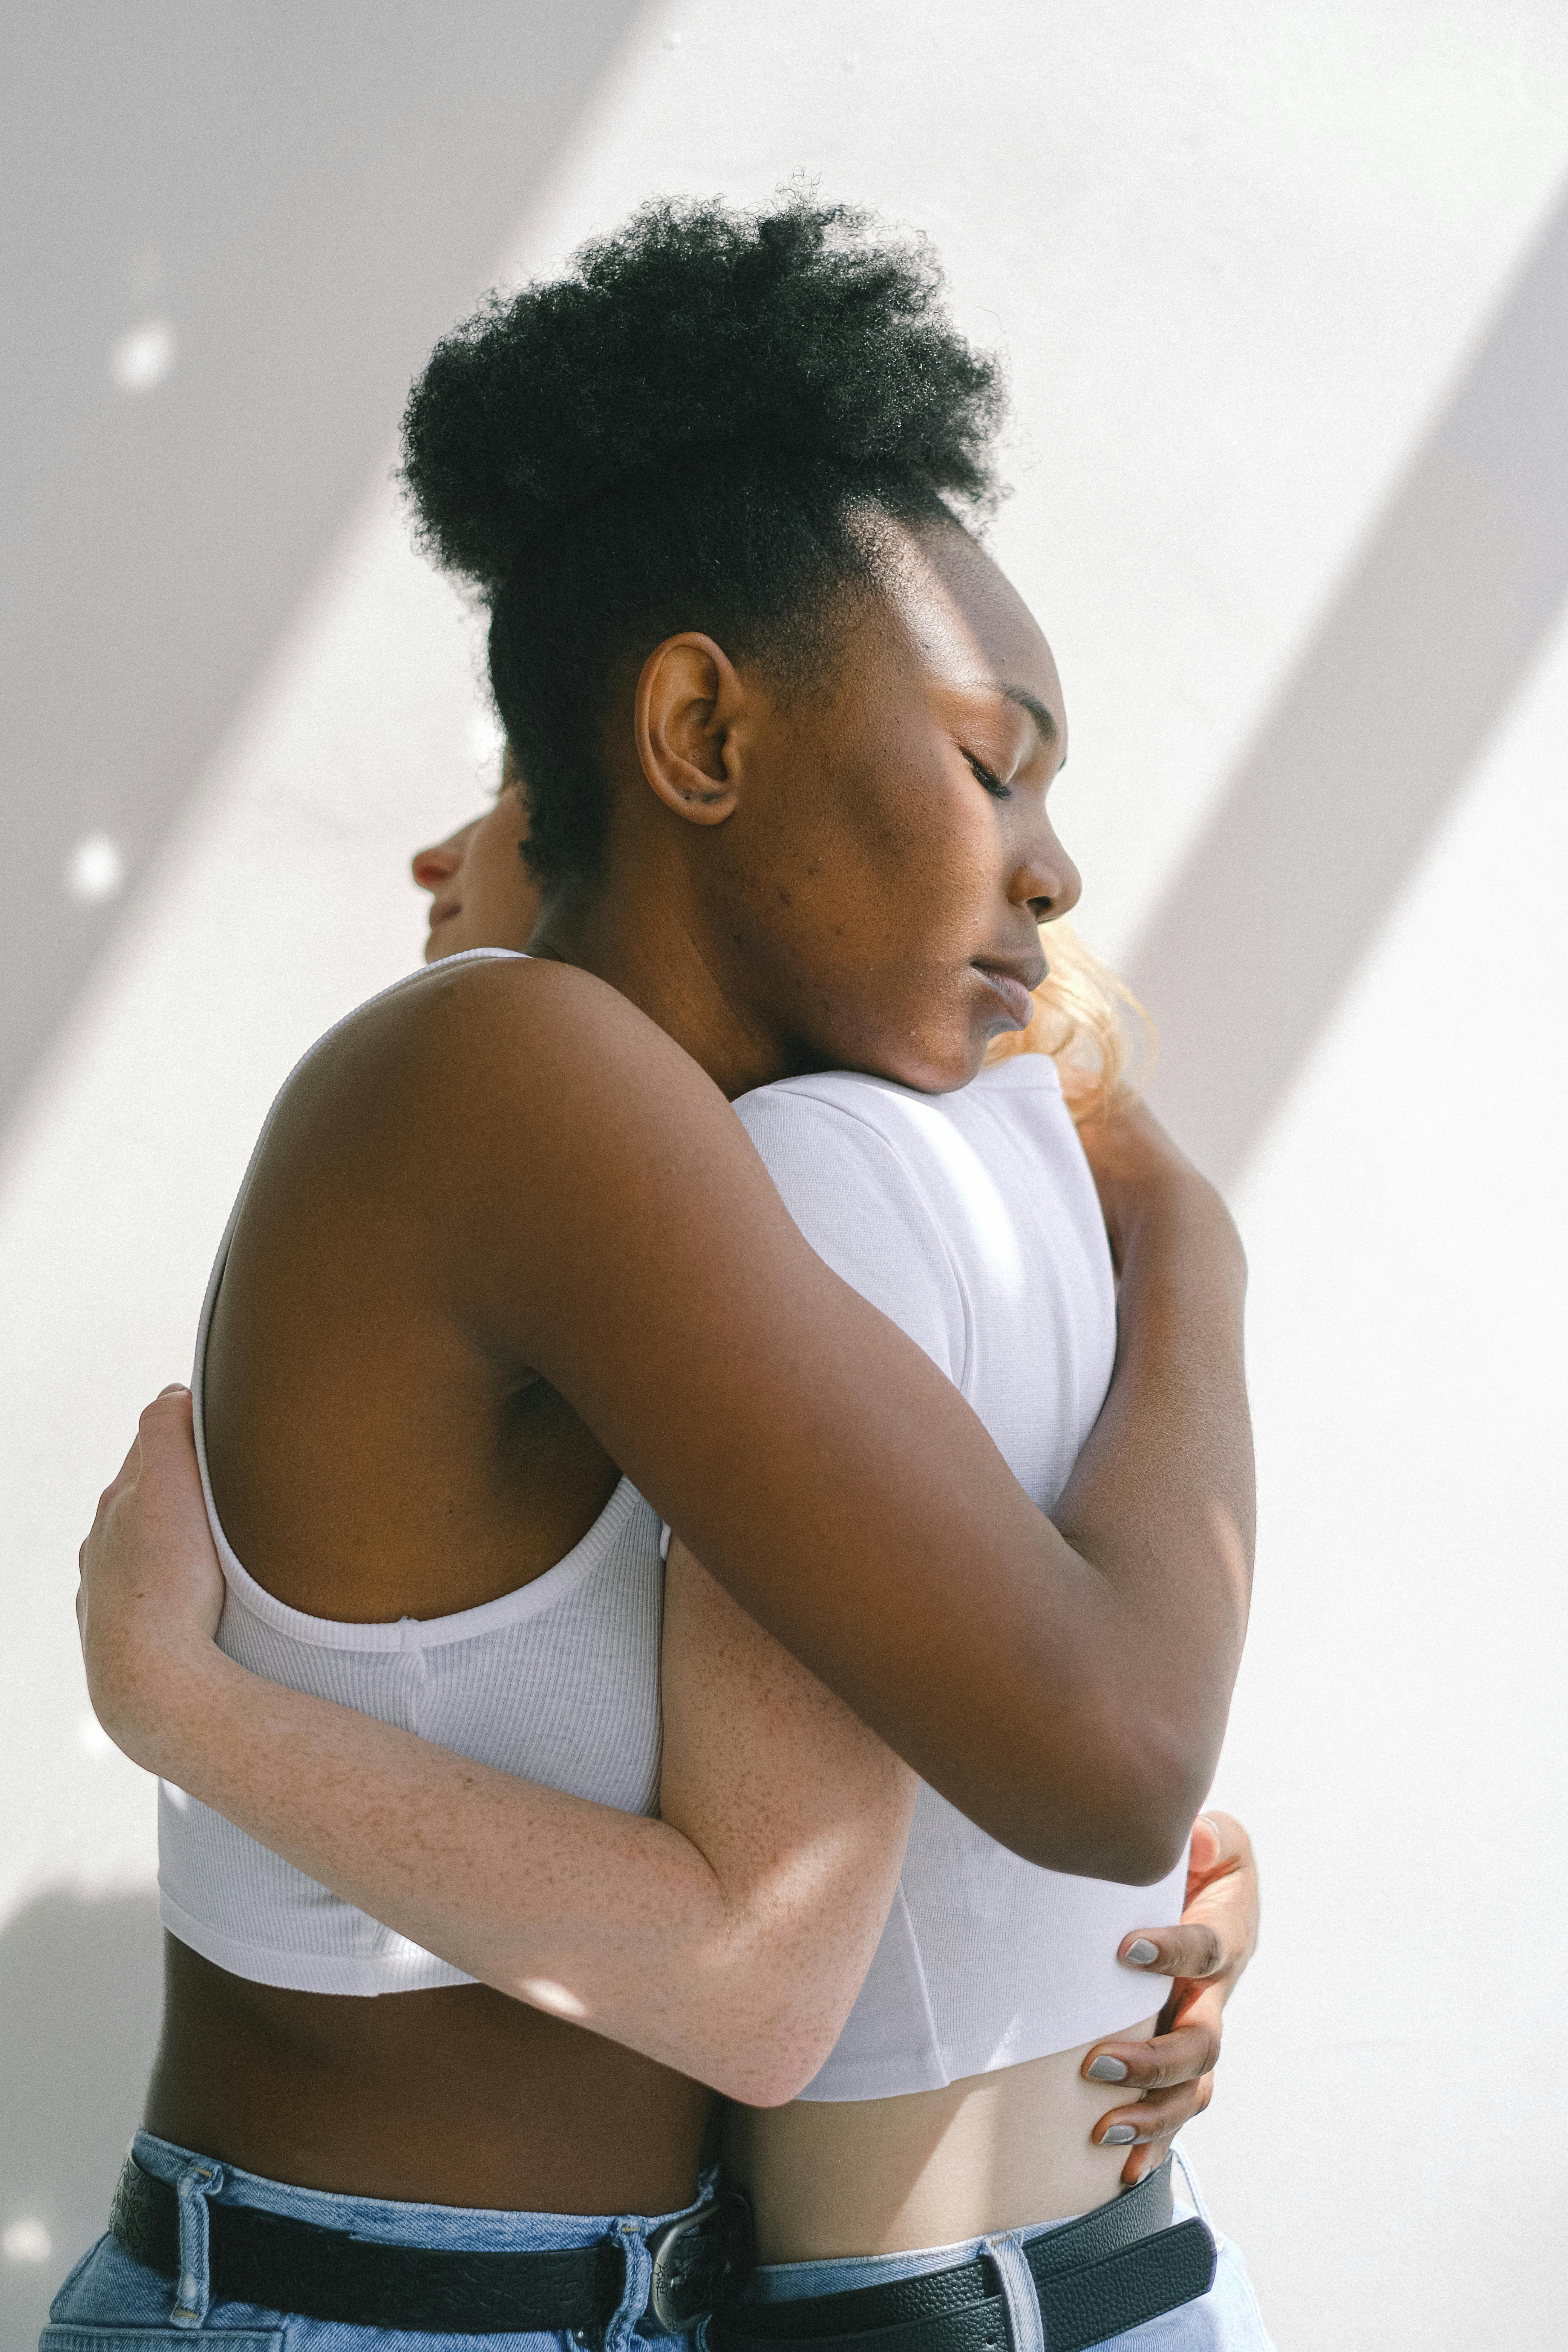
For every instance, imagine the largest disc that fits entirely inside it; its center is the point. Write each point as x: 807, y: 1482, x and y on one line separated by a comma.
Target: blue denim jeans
x: 1227, y: 2319
x: 113, y: 2304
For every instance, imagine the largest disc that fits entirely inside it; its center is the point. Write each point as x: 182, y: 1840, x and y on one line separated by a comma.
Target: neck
x: 650, y: 945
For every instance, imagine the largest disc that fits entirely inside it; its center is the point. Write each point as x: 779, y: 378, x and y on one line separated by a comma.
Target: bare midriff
x: 370, y: 1464
x: 453, y: 2096
x: 991, y: 2152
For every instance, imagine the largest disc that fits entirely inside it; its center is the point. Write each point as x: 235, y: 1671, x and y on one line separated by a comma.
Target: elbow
x: 1132, y: 1813
x: 782, y: 2048
x: 1148, y: 1836
x: 1171, y: 1772
x: 766, y: 2075
x: 766, y: 2087
x: 1154, y: 1789
x: 1145, y: 1846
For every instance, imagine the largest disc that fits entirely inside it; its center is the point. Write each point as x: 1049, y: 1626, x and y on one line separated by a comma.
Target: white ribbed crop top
x: 557, y: 1681
x: 971, y: 1220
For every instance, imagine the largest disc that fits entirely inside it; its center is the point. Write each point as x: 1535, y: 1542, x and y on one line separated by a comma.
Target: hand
x: 151, y: 1589
x: 1204, y: 1956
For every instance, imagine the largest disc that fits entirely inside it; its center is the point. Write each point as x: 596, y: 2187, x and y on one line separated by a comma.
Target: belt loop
x: 1200, y: 2203
x: 196, y: 2183
x: 1025, y: 2321
x: 623, y: 2320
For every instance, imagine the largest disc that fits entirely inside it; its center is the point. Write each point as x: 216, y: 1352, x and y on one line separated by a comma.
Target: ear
x: 688, y: 700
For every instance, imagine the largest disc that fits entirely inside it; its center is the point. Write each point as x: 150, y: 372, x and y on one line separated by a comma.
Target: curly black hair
x: 679, y: 435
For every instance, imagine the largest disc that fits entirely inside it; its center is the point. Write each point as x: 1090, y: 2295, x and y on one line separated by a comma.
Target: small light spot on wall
x: 91, y: 1736
x: 26, y: 2241
x: 140, y: 361
x: 95, y: 870
x: 672, y: 40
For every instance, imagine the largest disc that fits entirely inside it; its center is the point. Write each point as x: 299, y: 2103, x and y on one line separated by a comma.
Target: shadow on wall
x: 80, y: 1992
x: 1259, y: 935
x: 232, y: 236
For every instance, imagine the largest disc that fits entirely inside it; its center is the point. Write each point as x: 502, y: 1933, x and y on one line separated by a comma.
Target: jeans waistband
x: 200, y: 2182
x: 838, y: 2273
x: 473, y: 2228
x: 1061, y: 2284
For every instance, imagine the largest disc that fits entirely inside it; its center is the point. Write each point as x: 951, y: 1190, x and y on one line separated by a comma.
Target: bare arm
x: 1066, y: 1690
x: 728, y: 1939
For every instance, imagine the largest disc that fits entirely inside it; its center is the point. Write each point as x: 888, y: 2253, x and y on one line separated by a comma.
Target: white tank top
x: 971, y: 1220
x: 557, y: 1681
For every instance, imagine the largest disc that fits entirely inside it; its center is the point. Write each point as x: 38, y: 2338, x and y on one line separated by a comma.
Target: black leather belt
x: 1120, y: 2265
x: 290, y: 2266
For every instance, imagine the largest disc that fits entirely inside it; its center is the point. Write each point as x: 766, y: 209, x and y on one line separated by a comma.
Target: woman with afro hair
x: 715, y: 1212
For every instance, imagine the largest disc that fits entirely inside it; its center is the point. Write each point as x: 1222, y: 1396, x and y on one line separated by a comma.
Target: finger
x: 1144, y: 2158
x: 1193, y: 2049
x: 1194, y: 1947
x: 1232, y: 1846
x: 1194, y: 2004
x: 1155, y: 2118
x: 1220, y: 1854
x: 121, y: 1478
x: 168, y: 1417
x: 1203, y: 1854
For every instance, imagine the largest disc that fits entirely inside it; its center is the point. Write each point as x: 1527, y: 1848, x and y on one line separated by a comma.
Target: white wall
x: 1240, y: 256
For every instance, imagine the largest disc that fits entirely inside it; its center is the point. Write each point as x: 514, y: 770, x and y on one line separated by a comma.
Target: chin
x: 937, y: 1065
x: 931, y: 1041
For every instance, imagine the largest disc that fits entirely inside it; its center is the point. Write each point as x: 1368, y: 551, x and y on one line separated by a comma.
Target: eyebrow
x: 1044, y: 719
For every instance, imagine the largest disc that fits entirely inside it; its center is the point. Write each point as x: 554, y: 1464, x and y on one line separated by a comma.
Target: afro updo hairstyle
x: 679, y: 435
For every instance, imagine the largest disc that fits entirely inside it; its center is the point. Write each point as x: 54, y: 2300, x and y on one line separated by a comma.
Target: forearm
x: 1107, y: 1689
x: 610, y: 1920
x: 1160, y: 1500
x: 834, y: 1482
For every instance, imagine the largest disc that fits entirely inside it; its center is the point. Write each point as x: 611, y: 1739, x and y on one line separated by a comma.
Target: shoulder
x: 508, y: 1107
x: 468, y: 1004
x: 485, y: 1050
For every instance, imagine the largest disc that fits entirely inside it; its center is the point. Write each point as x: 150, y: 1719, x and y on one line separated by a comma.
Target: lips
x: 1014, y: 988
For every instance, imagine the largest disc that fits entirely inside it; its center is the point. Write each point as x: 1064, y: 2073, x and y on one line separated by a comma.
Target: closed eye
x: 984, y: 776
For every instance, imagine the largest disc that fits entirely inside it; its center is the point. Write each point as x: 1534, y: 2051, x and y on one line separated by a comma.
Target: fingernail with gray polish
x: 1107, y: 2069
x: 1141, y: 1953
x: 1118, y: 2135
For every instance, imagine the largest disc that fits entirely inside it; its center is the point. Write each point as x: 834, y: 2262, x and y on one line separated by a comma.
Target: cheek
x: 907, y: 809
x: 926, y: 848
x: 498, y: 891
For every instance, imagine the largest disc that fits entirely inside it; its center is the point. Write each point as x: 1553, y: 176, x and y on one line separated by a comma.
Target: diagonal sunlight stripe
x: 334, y: 186
x: 1260, y: 931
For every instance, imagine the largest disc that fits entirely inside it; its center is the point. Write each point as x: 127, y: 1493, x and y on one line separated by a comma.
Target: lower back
x: 996, y: 2151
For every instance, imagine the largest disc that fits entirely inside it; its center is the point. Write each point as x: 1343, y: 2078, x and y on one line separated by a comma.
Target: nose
x: 431, y: 867
x: 1046, y: 880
